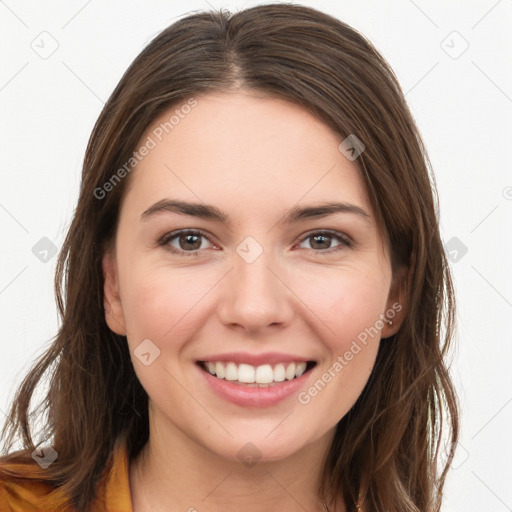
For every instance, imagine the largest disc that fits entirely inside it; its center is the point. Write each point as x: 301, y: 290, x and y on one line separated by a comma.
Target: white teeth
x: 300, y: 369
x: 219, y: 370
x: 231, y: 372
x: 245, y: 373
x: 279, y: 373
x: 290, y: 371
x: 262, y: 375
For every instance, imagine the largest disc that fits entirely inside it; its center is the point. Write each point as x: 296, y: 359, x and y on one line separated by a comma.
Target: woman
x: 293, y: 359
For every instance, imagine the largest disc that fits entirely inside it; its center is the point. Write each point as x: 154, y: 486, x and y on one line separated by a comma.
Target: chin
x: 259, y: 447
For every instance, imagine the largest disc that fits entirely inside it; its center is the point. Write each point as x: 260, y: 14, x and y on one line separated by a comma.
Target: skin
x: 254, y: 158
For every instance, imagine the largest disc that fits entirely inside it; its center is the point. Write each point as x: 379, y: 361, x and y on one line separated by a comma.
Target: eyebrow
x: 210, y: 212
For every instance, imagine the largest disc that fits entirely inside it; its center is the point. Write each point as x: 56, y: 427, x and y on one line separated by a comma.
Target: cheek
x: 360, y: 311
x: 162, y: 303
x: 345, y: 302
x: 162, y: 310
x: 348, y: 314
x: 358, y: 324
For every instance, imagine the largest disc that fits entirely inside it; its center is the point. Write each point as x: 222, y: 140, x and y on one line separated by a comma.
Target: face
x: 253, y: 285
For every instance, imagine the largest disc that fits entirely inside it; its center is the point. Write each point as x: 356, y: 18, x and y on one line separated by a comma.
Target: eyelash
x: 344, y: 240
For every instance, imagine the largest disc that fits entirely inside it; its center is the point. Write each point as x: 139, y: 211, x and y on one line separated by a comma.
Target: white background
x: 463, y: 107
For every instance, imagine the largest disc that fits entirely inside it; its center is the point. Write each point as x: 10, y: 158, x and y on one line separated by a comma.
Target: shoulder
x: 23, y: 488
x: 22, y: 495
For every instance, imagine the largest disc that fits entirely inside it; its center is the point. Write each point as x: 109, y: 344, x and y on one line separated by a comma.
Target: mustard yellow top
x: 113, y: 494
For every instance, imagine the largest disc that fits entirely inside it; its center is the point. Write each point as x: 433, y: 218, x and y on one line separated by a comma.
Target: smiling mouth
x: 262, y: 376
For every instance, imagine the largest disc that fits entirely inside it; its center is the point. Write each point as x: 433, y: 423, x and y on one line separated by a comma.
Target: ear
x: 111, y: 299
x: 395, y: 306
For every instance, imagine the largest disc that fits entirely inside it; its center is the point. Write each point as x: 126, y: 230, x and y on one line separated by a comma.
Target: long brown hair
x: 387, y: 447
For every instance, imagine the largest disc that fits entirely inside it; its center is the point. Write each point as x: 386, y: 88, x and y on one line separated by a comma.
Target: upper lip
x: 255, y: 359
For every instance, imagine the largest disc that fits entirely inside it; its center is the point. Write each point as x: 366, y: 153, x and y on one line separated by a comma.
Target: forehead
x: 240, y: 148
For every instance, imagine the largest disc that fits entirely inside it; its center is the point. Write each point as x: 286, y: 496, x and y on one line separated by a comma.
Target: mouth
x: 262, y: 376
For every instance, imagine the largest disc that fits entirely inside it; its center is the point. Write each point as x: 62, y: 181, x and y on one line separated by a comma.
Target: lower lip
x: 249, y: 396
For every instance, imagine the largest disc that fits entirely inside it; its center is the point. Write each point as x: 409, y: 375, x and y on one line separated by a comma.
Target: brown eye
x: 184, y: 243
x: 322, y: 241
x: 189, y: 242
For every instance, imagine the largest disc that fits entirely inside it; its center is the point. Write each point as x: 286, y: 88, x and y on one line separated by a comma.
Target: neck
x: 175, y: 473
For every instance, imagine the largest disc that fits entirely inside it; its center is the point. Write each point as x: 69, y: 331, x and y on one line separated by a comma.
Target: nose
x: 255, y: 296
